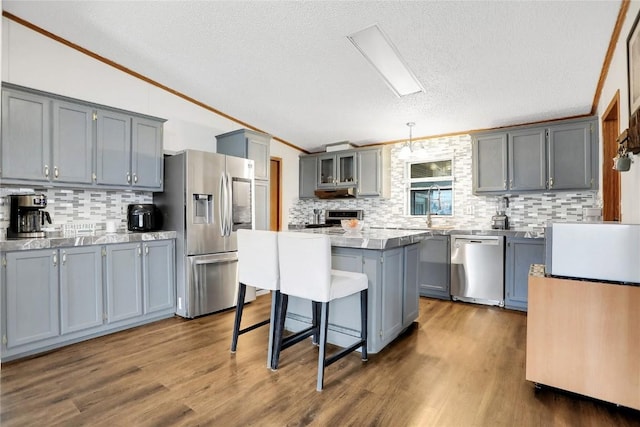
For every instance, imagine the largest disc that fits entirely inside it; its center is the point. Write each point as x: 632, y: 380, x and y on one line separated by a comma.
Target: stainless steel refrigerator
x: 207, y: 197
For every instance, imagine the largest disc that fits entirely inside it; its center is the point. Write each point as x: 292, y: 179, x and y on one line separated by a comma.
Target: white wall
x: 32, y: 60
x: 617, y: 79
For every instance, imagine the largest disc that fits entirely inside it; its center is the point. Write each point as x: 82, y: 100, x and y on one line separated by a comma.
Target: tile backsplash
x: 530, y: 211
x: 86, y: 206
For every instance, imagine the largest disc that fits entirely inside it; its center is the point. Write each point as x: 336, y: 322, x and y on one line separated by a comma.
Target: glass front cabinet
x: 337, y: 170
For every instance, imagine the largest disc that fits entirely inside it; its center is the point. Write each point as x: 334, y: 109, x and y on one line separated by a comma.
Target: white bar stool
x: 305, y: 272
x: 257, y: 266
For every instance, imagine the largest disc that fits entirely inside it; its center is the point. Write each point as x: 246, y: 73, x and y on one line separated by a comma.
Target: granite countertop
x: 98, y: 238
x: 372, y: 238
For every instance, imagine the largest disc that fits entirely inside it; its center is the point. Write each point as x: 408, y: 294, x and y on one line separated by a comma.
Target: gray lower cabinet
x: 54, y: 297
x: 158, y: 276
x: 32, y: 297
x: 123, y: 281
x: 411, y: 297
x: 308, y: 167
x: 520, y: 254
x: 80, y: 288
x: 393, y: 297
x: 434, y: 267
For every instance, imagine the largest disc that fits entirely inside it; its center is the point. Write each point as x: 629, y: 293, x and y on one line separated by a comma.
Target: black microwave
x: 143, y: 217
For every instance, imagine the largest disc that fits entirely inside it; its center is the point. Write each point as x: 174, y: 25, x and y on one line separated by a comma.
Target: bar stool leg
x: 363, y: 319
x: 315, y: 321
x: 275, y: 303
x: 279, y: 332
x: 242, y: 290
x: 324, y: 323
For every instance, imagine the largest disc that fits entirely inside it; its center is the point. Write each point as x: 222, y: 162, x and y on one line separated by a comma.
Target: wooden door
x: 275, y: 194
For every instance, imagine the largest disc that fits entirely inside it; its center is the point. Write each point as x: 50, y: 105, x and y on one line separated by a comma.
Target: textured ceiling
x: 287, y: 67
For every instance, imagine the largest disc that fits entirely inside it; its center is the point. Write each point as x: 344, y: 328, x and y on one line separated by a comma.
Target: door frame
x: 275, y: 193
x: 611, y: 188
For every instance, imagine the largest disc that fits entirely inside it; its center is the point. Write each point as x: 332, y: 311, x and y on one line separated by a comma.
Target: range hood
x: 338, y: 193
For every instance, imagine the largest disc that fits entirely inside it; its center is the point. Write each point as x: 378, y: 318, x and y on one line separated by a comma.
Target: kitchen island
x: 389, y: 258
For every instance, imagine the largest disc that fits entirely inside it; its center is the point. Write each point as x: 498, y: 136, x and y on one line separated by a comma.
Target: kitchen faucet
x: 429, y: 193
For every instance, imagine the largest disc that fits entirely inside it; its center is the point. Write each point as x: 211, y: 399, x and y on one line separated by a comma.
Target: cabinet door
x: 369, y: 173
x: 146, y: 153
x: 308, y: 177
x: 392, y: 295
x: 26, y: 138
x: 520, y: 254
x: 527, y: 159
x: 570, y: 156
x: 32, y: 296
x: 346, y: 168
x: 435, y: 267
x: 262, y: 205
x: 72, y: 143
x: 326, y: 171
x: 124, y: 281
x: 113, y: 148
x: 80, y: 288
x: 490, y: 163
x: 159, y: 276
x: 410, y: 306
x: 258, y: 151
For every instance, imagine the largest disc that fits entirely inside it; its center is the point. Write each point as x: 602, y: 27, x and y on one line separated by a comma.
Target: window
x: 430, y: 188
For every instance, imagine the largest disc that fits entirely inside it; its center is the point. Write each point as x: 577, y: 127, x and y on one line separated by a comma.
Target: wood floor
x: 462, y: 365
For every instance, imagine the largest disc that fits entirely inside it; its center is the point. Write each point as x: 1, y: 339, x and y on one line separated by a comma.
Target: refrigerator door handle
x: 221, y: 201
x: 229, y: 205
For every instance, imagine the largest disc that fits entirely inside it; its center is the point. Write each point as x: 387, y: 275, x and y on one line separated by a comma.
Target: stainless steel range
x: 332, y: 218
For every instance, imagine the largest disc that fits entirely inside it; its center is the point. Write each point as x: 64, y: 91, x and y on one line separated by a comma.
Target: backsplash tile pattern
x: 86, y: 206
x: 470, y: 212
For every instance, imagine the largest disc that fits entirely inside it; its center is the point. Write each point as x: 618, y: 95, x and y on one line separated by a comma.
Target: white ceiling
x: 287, y: 68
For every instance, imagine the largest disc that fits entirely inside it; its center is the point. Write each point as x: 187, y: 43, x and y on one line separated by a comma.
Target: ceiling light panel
x: 377, y: 48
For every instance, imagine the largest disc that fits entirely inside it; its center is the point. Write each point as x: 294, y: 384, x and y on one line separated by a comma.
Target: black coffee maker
x: 27, y: 216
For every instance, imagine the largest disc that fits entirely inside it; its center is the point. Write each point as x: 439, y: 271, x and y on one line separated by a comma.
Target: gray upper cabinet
x: 72, y: 143
x: 146, y: 153
x: 570, y: 152
x: 527, y: 160
x: 561, y: 156
x: 26, y: 141
x: 80, y: 288
x: 31, y: 297
x: 371, y: 165
x: 262, y: 205
x: 247, y: 144
x: 308, y: 177
x: 337, y: 170
x: 490, y: 162
x: 61, y: 141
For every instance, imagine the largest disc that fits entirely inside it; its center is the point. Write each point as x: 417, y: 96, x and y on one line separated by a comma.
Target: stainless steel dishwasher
x: 477, y: 269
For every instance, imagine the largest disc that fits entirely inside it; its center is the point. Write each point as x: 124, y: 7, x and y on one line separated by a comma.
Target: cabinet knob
x: 510, y: 184
x: 146, y: 249
x: 94, y: 177
x: 505, y: 184
x: 55, y: 259
x: 46, y: 171
x: 550, y: 182
x: 135, y: 177
x: 128, y: 178
x: 55, y: 171
x: 64, y: 257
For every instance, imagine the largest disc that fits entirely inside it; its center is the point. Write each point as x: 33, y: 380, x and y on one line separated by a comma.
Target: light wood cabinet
x: 584, y: 337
